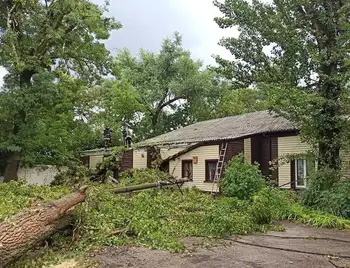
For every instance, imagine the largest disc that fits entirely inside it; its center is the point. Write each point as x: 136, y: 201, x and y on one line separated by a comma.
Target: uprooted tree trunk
x: 23, y: 231
x: 149, y: 185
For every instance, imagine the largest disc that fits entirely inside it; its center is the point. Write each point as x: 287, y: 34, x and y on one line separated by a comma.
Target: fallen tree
x: 144, y: 186
x: 23, y: 231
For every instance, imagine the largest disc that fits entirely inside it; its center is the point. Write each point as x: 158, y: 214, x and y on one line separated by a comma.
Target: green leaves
x: 171, y: 88
x: 53, y: 52
x: 241, y: 180
x: 299, y: 48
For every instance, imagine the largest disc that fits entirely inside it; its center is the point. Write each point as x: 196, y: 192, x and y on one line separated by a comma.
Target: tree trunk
x: 330, y: 125
x: 19, y: 119
x: 12, y: 167
x: 149, y: 185
x: 23, y: 231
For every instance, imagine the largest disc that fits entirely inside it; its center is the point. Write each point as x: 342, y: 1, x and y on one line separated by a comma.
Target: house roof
x: 225, y: 128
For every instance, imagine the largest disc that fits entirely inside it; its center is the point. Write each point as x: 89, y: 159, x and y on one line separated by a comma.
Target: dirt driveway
x: 298, y: 246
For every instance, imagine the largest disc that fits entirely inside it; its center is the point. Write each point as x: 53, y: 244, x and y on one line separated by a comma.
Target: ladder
x: 219, y: 167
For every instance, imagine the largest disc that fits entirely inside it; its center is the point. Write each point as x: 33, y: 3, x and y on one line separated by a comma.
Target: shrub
x: 271, y: 203
x: 326, y: 192
x: 241, y: 180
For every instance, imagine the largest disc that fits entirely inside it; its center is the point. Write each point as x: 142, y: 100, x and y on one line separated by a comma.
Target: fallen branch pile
x: 25, y: 230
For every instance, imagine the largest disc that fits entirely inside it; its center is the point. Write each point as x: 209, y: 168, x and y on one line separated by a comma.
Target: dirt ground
x: 298, y: 246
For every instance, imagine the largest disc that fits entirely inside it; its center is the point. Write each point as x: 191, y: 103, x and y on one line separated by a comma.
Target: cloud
x: 147, y: 23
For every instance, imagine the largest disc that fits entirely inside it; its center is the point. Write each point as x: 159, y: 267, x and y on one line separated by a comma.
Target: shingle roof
x: 231, y: 127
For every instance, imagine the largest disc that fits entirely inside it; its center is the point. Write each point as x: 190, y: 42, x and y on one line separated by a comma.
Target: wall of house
x: 203, y: 153
x: 139, y: 158
x: 94, y: 160
x: 248, y: 150
x: 289, y: 145
x: 40, y: 175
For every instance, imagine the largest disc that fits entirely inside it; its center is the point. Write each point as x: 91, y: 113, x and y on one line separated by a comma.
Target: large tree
x: 40, y: 43
x: 301, y: 49
x: 173, y: 89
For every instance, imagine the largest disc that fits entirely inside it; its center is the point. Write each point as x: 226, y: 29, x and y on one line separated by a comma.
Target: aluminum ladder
x: 219, y: 167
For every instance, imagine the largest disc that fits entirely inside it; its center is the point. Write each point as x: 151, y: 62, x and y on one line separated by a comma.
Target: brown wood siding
x: 274, y: 155
x: 127, y: 161
x: 265, y: 156
x: 234, y: 147
x: 265, y: 149
x: 256, y: 149
x: 292, y: 174
x: 151, y: 156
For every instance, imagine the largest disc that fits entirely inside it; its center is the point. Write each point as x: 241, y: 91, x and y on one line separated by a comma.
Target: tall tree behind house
x: 36, y: 36
x: 307, y: 68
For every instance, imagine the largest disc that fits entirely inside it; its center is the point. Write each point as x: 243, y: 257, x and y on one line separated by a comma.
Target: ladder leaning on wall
x: 219, y: 167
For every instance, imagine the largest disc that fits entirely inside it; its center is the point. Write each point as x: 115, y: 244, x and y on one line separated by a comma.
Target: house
x: 195, y: 149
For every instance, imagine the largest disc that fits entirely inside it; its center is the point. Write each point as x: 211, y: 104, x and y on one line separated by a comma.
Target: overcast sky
x: 147, y: 23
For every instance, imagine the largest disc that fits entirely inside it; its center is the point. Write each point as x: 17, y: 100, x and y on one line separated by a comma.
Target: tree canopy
x: 294, y: 48
x: 52, y: 51
x: 164, y: 90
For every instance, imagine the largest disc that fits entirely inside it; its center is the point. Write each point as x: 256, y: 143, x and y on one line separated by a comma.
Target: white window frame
x: 296, y: 173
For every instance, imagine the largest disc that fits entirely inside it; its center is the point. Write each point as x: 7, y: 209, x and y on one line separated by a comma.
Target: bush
x: 241, y: 180
x: 326, y: 192
x: 271, y: 203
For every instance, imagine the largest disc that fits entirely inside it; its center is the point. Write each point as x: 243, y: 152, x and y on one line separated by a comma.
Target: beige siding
x: 140, y: 158
x: 166, y: 152
x: 203, y: 153
x: 94, y: 159
x: 248, y: 151
x: 289, y: 145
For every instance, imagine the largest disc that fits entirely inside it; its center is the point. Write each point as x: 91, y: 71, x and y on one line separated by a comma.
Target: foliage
x: 328, y: 192
x: 140, y: 176
x: 241, y: 180
x: 52, y: 51
x: 169, y: 89
x: 315, y: 218
x: 157, y: 218
x: 75, y: 174
x: 298, y: 50
x: 277, y: 204
x: 240, y: 101
x: 15, y: 196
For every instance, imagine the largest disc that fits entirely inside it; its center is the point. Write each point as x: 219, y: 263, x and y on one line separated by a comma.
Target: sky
x: 147, y: 23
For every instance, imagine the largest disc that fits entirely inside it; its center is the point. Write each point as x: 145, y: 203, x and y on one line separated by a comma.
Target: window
x: 187, y: 169
x: 210, y: 168
x: 300, y: 172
